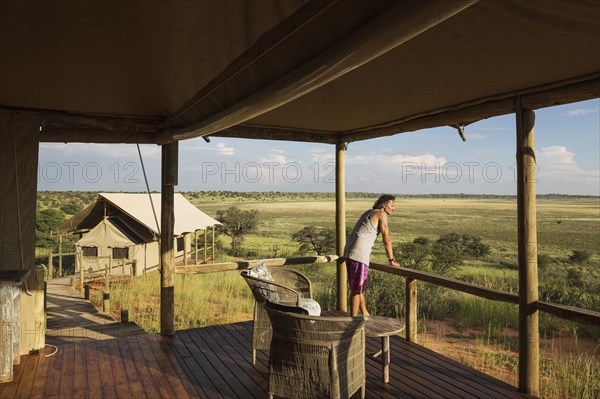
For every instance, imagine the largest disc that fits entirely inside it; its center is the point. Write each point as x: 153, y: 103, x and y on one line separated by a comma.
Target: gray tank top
x: 362, y: 239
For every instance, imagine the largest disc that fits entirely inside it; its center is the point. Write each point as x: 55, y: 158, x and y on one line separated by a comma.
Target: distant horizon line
x: 365, y: 193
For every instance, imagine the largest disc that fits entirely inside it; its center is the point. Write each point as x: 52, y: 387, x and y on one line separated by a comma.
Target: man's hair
x: 384, y: 199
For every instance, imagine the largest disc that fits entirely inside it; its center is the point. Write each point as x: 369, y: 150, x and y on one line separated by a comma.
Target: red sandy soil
x: 470, y: 345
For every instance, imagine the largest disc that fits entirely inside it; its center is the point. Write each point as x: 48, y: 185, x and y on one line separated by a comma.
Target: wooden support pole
x: 167, y: 224
x: 411, y: 310
x: 529, y: 356
x: 60, y: 256
x: 213, y: 245
x: 340, y: 225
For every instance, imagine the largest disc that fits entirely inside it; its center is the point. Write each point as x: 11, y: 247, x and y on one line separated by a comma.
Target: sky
x: 430, y: 161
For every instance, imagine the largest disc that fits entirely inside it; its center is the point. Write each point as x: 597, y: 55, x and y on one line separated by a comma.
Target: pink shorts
x: 357, y: 276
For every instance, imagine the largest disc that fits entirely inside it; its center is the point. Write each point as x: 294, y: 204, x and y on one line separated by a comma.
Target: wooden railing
x: 412, y: 276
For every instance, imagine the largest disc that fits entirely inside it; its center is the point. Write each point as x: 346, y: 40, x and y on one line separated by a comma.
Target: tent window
x: 180, y: 244
x: 89, y: 251
x: 120, y: 253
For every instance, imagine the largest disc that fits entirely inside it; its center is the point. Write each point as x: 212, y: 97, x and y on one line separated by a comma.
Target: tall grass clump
x: 200, y: 300
x: 570, y: 377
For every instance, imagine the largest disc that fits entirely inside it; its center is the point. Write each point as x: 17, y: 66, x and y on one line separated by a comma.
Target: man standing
x: 359, y: 246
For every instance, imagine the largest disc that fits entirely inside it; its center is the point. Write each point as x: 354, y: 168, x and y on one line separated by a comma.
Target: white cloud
x: 275, y: 155
x: 224, y: 149
x: 581, y: 111
x: 557, y: 164
x: 103, y: 150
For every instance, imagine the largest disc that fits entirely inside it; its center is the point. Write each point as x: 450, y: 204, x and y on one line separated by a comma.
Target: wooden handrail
x: 245, y: 264
x: 570, y: 313
x: 564, y: 312
x: 478, y: 290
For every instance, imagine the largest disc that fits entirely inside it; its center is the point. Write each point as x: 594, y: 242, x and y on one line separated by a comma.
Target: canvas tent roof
x: 326, y: 71
x: 106, y: 232
x: 188, y: 218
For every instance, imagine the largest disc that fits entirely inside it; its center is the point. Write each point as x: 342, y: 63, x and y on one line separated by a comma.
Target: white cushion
x: 312, y: 306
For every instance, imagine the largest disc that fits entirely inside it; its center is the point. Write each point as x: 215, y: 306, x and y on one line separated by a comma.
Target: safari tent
x: 120, y: 230
x: 331, y: 72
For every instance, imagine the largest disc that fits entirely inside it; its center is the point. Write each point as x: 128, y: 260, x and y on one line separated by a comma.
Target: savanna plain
x: 475, y: 331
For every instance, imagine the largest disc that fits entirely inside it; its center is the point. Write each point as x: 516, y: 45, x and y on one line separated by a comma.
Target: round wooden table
x: 379, y: 326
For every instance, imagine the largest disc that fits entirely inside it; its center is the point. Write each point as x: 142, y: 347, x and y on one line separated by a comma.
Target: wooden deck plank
x: 248, y: 378
x: 92, y: 369
x: 461, y: 376
x: 105, y: 367
x: 41, y: 373
x: 169, y: 350
x: 80, y: 383
x: 68, y: 361
x: 27, y: 379
x: 143, y: 370
x: 215, y: 362
x: 121, y: 383
x: 196, y: 375
x: 170, y: 378
x: 160, y: 378
x: 130, y: 370
x: 198, y: 352
x: 52, y: 388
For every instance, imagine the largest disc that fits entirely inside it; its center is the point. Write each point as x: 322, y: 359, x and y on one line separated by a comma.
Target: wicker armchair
x: 316, y: 357
x: 288, y: 287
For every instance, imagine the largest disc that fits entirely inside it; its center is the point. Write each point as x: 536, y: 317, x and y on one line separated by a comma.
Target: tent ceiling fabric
x: 324, y: 71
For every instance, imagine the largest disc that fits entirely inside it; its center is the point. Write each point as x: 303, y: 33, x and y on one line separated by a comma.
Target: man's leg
x: 363, y: 304
x: 355, y: 303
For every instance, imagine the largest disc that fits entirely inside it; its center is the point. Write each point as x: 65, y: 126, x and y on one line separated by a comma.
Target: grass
x: 563, y: 225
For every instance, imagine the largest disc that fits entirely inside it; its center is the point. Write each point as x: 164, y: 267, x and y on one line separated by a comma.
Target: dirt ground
x: 496, y: 358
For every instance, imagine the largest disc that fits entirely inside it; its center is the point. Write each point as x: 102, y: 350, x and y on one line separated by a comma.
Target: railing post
x: 124, y: 316
x: 106, y: 301
x: 411, y: 310
x: 86, y: 291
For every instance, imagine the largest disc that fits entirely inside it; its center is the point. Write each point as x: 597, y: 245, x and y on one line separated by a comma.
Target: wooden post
x: 529, y: 356
x: 195, y: 247
x: 60, y: 260
x: 108, y: 272
x: 205, y: 244
x: 167, y: 223
x: 185, y: 251
x: 86, y: 291
x: 213, y: 245
x: 340, y: 225
x: 50, y: 266
x: 124, y: 316
x: 411, y: 310
x: 81, y: 273
x: 106, y: 302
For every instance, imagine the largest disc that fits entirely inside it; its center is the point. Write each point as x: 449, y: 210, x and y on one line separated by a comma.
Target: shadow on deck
x: 214, y: 362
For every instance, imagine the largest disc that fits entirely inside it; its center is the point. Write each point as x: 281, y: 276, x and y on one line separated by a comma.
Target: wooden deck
x: 214, y: 362
x: 72, y: 319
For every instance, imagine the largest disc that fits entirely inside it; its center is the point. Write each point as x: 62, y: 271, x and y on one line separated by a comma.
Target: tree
x: 47, y: 220
x: 236, y: 223
x: 311, y: 238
